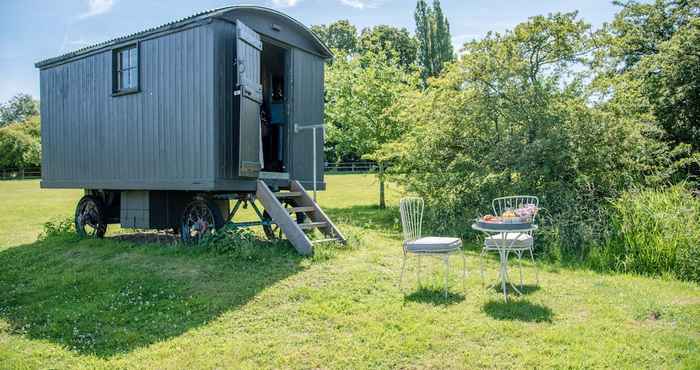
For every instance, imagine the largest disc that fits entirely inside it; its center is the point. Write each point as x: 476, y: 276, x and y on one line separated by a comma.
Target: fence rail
x: 351, y: 167
x: 20, y: 173
x: 342, y: 167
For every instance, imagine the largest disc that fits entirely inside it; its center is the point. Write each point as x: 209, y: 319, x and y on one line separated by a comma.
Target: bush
x: 20, y: 144
x: 654, y: 232
x: 242, y: 244
x: 506, y: 119
x: 58, y: 228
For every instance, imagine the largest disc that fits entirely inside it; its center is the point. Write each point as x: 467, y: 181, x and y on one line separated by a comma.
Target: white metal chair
x: 516, y: 242
x: 414, y: 243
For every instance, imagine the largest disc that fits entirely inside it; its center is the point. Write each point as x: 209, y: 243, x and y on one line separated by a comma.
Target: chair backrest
x: 411, y: 217
x: 503, y: 204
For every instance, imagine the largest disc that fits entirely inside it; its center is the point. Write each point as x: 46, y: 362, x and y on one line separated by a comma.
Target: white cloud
x: 362, y: 4
x: 285, y: 3
x: 96, y: 7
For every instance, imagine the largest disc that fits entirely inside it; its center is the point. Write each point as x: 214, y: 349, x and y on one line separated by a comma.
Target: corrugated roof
x: 174, y: 24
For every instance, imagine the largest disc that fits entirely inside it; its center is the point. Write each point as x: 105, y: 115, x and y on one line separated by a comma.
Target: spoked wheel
x: 199, y: 219
x: 273, y: 231
x: 90, y: 218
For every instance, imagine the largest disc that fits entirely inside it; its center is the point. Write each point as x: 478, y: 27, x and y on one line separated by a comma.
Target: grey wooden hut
x: 177, y: 120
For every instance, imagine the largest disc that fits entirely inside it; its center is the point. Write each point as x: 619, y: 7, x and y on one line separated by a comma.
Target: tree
x: 442, y: 41
x: 20, y: 145
x: 673, y: 85
x: 361, y: 93
x: 649, y: 63
x: 434, y: 40
x: 339, y: 35
x: 423, y: 33
x: 639, y: 28
x: 18, y: 109
x: 390, y: 41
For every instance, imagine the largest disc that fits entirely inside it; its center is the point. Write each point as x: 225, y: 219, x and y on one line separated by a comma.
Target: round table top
x: 532, y: 227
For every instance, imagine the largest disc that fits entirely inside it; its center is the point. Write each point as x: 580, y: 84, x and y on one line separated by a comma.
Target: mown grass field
x: 69, y: 303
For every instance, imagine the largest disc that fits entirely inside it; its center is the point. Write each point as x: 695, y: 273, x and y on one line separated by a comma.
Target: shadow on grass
x: 434, y: 296
x: 520, y: 310
x: 525, y: 289
x: 368, y: 217
x: 105, y: 297
x: 150, y: 237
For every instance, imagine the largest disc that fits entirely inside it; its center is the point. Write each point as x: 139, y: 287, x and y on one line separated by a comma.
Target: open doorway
x: 273, y: 111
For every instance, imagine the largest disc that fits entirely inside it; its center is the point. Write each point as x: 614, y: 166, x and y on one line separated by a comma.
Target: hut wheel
x: 273, y: 231
x: 89, y: 217
x: 200, y: 218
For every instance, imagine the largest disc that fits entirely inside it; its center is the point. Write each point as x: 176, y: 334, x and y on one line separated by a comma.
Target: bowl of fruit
x: 510, y: 219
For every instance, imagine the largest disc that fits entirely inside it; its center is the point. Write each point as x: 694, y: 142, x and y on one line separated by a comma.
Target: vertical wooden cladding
x: 159, y: 138
x: 307, y: 109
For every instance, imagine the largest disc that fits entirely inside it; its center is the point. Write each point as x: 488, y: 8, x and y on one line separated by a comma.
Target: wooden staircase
x: 295, y: 232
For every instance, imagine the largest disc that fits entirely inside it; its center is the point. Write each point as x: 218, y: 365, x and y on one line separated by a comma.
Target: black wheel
x: 273, y: 231
x: 90, y: 218
x: 200, y: 217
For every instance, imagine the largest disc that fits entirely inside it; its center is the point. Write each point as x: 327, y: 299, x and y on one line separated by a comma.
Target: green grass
x: 69, y: 303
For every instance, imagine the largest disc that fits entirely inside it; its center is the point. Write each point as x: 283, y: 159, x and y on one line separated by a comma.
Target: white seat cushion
x: 514, y: 240
x: 434, y: 244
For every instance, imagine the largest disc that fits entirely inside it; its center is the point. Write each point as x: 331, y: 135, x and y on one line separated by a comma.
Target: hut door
x: 248, y: 97
x: 307, y: 110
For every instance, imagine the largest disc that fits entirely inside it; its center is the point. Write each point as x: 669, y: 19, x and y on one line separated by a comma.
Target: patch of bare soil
x: 148, y: 237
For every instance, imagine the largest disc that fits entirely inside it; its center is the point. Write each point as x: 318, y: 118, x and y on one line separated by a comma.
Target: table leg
x: 504, y: 272
x: 505, y: 279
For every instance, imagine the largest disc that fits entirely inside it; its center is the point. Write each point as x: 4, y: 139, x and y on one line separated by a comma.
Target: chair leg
x: 447, y: 272
x: 464, y: 272
x: 537, y: 269
x: 481, y: 266
x: 418, y: 272
x: 403, y: 268
x: 520, y: 267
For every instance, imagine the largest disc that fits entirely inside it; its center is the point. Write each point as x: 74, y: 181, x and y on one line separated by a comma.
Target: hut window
x: 126, y: 70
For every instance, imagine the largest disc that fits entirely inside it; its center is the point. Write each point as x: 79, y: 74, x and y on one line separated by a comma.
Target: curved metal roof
x: 179, y: 23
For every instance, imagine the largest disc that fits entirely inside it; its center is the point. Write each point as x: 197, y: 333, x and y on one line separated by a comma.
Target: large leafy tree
x: 361, y: 93
x: 639, y: 29
x: 648, y: 66
x: 18, y: 109
x: 434, y: 40
x: 391, y: 41
x: 339, y: 35
x: 673, y: 85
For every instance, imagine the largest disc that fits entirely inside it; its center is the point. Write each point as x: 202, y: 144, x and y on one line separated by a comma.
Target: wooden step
x: 288, y: 194
x: 302, y: 203
x: 301, y: 209
x: 281, y: 217
x: 313, y: 225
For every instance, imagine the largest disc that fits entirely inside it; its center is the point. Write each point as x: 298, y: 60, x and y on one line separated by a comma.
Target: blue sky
x: 32, y: 30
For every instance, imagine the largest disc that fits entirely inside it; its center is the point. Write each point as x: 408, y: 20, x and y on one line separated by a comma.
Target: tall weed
x: 655, y: 231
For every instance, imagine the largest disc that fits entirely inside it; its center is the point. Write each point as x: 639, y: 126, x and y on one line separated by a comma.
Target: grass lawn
x: 69, y: 303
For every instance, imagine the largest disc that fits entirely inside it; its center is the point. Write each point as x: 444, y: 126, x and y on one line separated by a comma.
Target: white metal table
x: 504, y: 246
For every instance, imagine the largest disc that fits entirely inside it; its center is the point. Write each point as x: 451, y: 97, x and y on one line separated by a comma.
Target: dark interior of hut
x: 273, y: 112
